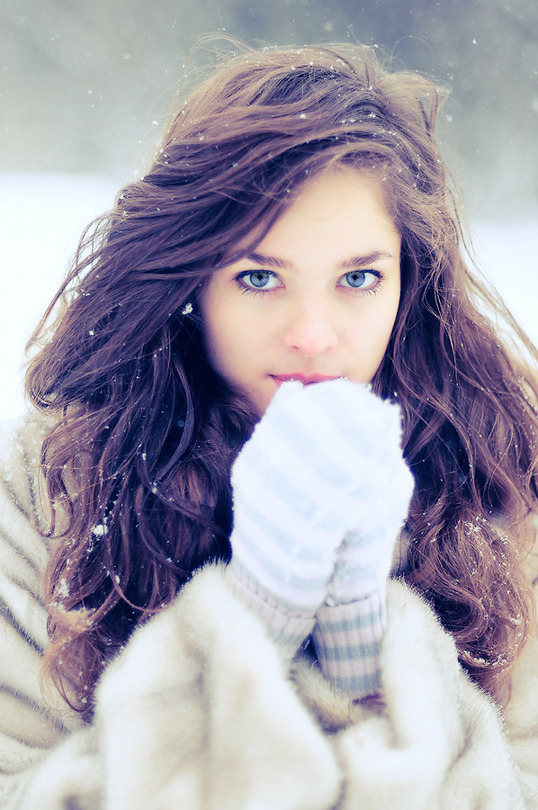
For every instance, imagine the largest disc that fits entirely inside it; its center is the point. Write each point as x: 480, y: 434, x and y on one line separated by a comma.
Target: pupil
x: 356, y: 279
x: 258, y: 279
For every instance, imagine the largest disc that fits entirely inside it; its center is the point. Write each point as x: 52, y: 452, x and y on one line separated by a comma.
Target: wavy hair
x: 137, y: 461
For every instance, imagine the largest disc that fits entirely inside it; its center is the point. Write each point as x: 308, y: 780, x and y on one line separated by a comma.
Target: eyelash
x: 246, y: 289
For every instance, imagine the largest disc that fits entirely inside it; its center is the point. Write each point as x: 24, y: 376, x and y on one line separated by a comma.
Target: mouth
x: 304, y: 379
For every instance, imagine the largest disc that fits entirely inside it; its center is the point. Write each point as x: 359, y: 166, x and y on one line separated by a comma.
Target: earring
x: 187, y: 309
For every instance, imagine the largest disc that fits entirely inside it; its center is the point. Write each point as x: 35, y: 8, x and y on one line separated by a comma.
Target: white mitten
x: 363, y: 559
x: 300, y: 483
x: 350, y: 625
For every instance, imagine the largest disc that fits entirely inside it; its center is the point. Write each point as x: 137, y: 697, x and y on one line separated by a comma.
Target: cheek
x: 216, y: 339
x: 212, y: 328
x: 228, y: 338
x: 385, y: 331
x: 372, y: 337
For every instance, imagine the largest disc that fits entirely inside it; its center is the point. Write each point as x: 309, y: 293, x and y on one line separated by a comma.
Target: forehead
x: 342, y: 202
x: 353, y: 198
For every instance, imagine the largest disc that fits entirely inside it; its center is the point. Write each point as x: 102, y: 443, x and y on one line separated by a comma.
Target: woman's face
x: 317, y: 297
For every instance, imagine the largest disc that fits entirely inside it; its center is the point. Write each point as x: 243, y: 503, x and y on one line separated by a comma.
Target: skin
x: 318, y: 296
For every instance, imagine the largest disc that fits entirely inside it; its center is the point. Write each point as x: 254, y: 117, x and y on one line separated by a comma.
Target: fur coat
x: 199, y: 712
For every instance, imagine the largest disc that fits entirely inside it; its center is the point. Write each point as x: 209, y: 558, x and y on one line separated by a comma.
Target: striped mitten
x: 297, y: 489
x: 350, y: 624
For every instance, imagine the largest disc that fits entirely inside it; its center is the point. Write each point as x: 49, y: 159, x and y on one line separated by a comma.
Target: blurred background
x: 86, y: 84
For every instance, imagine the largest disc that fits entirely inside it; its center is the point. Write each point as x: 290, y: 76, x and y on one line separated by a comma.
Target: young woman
x: 267, y: 536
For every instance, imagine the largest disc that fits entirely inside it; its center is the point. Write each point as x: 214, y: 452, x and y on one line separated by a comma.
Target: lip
x: 304, y: 379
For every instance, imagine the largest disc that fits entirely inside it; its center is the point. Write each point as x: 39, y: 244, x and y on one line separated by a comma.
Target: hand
x: 350, y: 625
x: 364, y: 557
x: 305, y: 478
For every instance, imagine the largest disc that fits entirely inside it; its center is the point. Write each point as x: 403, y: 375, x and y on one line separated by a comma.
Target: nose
x: 311, y: 327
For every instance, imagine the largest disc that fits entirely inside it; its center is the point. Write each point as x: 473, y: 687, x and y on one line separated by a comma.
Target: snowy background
x: 41, y: 220
x: 85, y: 85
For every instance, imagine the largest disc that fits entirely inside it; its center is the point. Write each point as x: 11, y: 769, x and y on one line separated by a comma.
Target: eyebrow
x: 353, y: 263
x: 270, y: 261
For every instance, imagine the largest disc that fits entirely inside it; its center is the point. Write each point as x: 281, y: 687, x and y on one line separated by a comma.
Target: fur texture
x: 198, y: 711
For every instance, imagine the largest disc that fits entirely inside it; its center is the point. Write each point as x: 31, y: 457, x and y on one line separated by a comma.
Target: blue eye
x: 360, y: 279
x: 258, y: 280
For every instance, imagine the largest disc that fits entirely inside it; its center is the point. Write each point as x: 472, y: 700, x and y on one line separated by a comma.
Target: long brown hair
x: 137, y: 462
